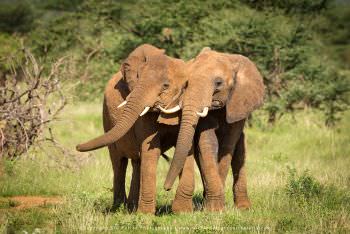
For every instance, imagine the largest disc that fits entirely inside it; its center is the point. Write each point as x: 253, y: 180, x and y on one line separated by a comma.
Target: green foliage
x: 335, y: 32
x: 17, y: 16
x: 9, y: 167
x: 62, y: 5
x: 300, y: 46
x: 10, y: 46
x: 291, y: 6
x: 303, y: 186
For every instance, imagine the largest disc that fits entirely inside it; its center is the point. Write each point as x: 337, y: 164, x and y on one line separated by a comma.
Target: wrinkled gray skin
x: 231, y: 87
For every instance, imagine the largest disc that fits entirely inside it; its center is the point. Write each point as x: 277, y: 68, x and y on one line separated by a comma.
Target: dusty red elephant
x: 148, y: 81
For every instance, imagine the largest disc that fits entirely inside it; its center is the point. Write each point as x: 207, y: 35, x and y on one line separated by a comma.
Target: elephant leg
x: 240, y: 194
x: 134, y: 192
x: 196, y: 157
x: 224, y: 166
x: 149, y: 159
x: 185, y: 189
x: 119, y: 164
x: 214, y: 191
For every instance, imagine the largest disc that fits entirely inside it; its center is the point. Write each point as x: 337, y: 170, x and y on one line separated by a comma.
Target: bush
x: 26, y: 106
x: 302, y: 187
x: 16, y: 16
x: 297, y: 45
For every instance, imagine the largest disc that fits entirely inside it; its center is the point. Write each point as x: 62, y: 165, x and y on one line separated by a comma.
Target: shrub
x: 27, y: 106
x: 17, y: 16
x: 302, y: 187
x: 298, y: 46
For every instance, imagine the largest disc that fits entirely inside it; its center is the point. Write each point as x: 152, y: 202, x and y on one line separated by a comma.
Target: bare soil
x: 25, y: 202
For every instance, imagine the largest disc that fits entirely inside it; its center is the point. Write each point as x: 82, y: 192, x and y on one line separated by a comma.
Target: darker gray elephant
x: 148, y: 81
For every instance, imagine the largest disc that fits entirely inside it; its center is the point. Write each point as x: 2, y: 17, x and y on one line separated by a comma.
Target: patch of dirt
x: 25, y: 202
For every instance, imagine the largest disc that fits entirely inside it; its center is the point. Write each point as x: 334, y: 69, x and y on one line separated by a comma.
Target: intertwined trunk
x: 131, y: 111
x: 183, y: 145
x: 197, y: 97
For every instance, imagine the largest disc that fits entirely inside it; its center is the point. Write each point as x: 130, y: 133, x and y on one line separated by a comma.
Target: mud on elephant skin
x: 149, y: 80
x: 231, y: 87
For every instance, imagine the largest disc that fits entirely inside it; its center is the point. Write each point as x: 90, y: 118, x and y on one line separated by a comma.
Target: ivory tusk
x: 204, y: 112
x: 169, y: 111
x: 122, y: 104
x: 145, y: 110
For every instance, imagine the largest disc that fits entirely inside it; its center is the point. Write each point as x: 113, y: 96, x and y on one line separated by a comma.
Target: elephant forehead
x: 176, y: 70
x: 218, y: 71
x: 157, y: 62
x: 213, y: 69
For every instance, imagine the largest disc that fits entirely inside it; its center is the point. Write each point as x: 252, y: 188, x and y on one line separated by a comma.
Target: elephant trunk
x: 183, y: 145
x: 189, y: 120
x: 132, y: 110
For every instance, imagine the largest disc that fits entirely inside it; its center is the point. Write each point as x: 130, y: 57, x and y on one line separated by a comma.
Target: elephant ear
x: 136, y: 60
x: 205, y: 49
x: 169, y: 119
x: 248, y: 89
x: 130, y: 68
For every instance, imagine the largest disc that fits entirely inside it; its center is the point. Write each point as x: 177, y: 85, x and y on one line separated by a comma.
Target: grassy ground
x: 298, y: 179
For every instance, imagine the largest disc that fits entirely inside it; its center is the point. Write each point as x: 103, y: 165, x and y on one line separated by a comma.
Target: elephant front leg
x: 134, y: 193
x: 183, y: 198
x: 240, y: 193
x: 149, y: 159
x: 119, y: 164
x: 214, y: 191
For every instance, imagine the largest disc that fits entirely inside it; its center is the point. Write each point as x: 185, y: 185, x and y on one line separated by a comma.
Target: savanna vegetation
x: 298, y: 150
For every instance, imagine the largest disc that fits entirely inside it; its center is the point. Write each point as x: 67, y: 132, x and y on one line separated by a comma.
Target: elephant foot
x: 132, y: 206
x: 146, y: 209
x: 243, y: 204
x: 117, y: 204
x: 182, y: 206
x: 214, y: 205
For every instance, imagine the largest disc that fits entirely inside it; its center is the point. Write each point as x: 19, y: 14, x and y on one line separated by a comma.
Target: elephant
x: 228, y: 87
x: 148, y: 81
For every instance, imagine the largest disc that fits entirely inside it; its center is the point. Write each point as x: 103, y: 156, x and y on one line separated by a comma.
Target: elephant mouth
x: 216, y: 104
x: 155, y: 109
x: 157, y: 105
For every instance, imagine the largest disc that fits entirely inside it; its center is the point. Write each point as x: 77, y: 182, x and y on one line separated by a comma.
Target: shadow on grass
x: 106, y: 208
x: 166, y: 209
x: 198, y: 202
x: 161, y: 209
x: 109, y: 210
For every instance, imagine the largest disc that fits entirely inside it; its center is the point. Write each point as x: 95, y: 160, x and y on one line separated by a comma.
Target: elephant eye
x: 218, y: 82
x: 166, y: 85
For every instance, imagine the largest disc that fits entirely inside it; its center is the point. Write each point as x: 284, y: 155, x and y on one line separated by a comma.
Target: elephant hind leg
x: 240, y: 193
x: 134, y: 193
x: 183, y: 198
x: 119, y: 164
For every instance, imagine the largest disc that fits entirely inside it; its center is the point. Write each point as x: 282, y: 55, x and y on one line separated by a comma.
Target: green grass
x: 298, y: 179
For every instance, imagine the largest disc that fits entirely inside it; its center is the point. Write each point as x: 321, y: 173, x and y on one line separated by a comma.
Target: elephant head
x: 215, y: 80
x: 155, y: 82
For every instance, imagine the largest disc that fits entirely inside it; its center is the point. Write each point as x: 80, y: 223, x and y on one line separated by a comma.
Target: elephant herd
x: 156, y: 102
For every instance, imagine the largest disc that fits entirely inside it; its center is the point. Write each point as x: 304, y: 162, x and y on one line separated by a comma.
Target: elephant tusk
x: 145, y: 110
x: 204, y: 112
x: 122, y: 104
x: 169, y: 111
